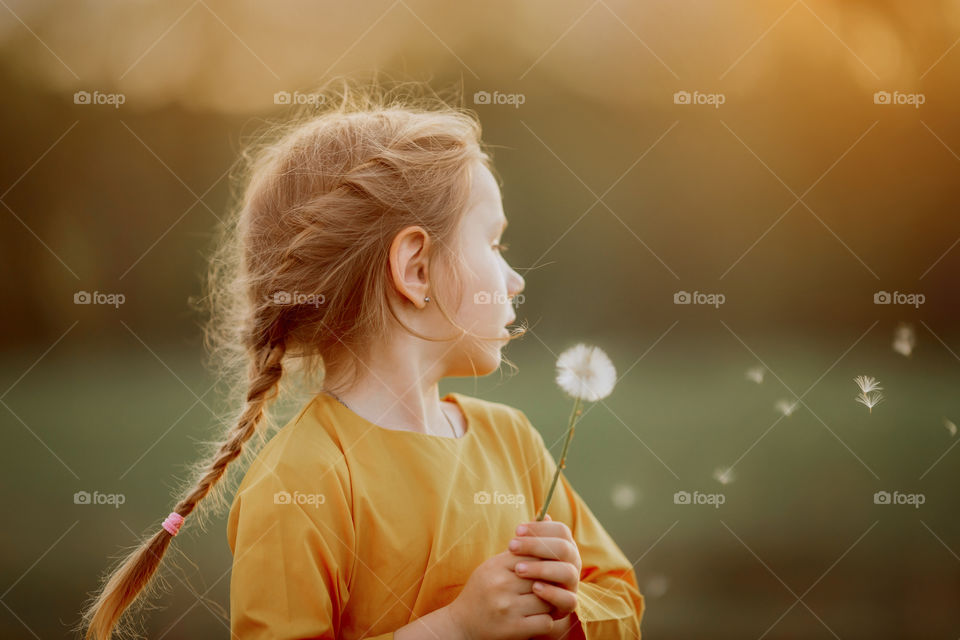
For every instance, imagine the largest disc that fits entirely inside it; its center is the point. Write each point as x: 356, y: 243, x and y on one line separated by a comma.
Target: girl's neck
x: 399, y: 386
x: 414, y: 408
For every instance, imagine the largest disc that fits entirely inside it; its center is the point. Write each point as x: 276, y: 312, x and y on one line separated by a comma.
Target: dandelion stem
x: 563, y: 456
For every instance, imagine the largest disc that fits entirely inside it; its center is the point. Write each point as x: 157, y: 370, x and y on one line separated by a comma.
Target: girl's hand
x: 558, y: 571
x: 496, y: 604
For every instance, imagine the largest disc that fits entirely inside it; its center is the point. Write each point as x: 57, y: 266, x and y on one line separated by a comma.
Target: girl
x: 366, y: 253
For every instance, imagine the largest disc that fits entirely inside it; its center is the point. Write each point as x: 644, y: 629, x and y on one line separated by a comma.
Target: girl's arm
x: 436, y: 624
x: 292, y: 536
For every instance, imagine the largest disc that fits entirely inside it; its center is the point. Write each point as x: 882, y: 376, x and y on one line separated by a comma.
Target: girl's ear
x: 409, y: 253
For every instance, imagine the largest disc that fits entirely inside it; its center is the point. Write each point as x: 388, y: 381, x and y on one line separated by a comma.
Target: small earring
x: 426, y: 299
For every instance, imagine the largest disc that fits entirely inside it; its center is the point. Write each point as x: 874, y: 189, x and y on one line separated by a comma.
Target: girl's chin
x: 492, y: 362
x: 479, y: 363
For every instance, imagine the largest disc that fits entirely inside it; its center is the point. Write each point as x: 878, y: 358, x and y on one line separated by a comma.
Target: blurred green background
x: 798, y: 198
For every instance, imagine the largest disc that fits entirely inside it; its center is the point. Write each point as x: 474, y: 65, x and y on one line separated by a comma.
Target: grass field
x: 797, y: 549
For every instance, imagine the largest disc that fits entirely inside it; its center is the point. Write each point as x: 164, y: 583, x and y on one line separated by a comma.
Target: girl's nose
x: 517, y: 283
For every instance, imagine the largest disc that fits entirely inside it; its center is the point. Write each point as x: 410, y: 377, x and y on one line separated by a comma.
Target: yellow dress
x: 342, y: 529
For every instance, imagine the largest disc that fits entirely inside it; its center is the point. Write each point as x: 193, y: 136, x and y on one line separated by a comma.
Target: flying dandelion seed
x: 868, y: 384
x: 951, y: 427
x: 656, y: 586
x: 870, y: 400
x: 623, y: 496
x: 755, y: 374
x: 869, y: 395
x: 904, y: 339
x: 786, y: 407
x: 724, y: 475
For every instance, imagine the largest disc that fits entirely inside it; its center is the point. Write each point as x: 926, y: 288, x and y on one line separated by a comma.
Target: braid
x: 264, y: 381
x: 126, y: 583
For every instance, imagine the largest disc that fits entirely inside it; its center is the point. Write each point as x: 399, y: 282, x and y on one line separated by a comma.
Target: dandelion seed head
x: 586, y: 372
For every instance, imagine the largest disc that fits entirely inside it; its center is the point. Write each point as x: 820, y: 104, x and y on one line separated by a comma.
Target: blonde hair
x: 300, y: 277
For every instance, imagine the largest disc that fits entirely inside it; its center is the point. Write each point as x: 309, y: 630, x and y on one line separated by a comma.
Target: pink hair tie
x: 173, y: 522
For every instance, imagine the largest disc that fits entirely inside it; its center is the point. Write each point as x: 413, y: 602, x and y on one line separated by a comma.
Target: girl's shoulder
x: 296, y: 450
x: 501, y: 419
x: 488, y: 409
x: 300, y: 466
x: 483, y: 412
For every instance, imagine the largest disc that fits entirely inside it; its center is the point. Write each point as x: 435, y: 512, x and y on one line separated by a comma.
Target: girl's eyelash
x: 503, y: 246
